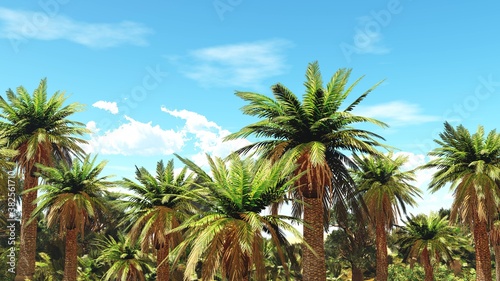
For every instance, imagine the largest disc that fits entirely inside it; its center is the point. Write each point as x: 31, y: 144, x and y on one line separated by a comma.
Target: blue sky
x: 158, y: 77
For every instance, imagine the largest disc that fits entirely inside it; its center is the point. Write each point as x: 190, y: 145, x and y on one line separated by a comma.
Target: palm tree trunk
x: 71, y: 256
x: 27, y: 247
x: 429, y: 274
x: 313, y: 264
x: 382, y: 270
x: 162, y: 265
x: 496, y: 248
x: 483, y: 254
x: 357, y: 273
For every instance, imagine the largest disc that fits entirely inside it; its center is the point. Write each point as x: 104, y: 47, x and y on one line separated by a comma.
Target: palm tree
x: 125, y: 259
x: 72, y: 196
x: 471, y: 163
x: 386, y: 191
x: 155, y: 206
x: 229, y: 235
x: 319, y: 133
x: 37, y: 126
x: 429, y: 236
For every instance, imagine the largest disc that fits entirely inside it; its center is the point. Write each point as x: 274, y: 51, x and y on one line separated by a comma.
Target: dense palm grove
x: 224, y: 222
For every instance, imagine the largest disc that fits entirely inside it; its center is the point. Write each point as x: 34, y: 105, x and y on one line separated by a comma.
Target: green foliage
x: 38, y: 127
x: 433, y: 233
x: 405, y: 272
x: 350, y: 244
x: 72, y: 194
x: 236, y: 191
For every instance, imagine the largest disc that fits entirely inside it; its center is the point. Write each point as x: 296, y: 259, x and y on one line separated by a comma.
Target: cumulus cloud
x: 25, y: 25
x: 136, y: 138
x: 207, y: 134
x: 198, y: 135
x: 430, y: 202
x: 107, y: 105
x: 238, y: 65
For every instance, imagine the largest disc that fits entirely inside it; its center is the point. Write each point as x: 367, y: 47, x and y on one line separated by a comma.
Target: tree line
x: 224, y: 222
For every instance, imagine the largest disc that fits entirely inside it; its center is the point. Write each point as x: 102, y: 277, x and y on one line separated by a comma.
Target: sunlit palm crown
x: 72, y: 194
x: 125, y: 258
x: 38, y: 126
x: 315, y: 129
x: 433, y: 233
x: 387, y: 188
x: 228, y: 236
x: 471, y: 163
x: 157, y: 204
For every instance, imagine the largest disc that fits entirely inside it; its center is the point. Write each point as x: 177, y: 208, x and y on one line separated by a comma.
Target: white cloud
x: 107, y: 105
x: 199, y: 136
x: 397, y: 113
x: 92, y: 126
x: 239, y: 65
x: 136, y: 138
x: 208, y: 136
x: 24, y: 25
x: 430, y: 202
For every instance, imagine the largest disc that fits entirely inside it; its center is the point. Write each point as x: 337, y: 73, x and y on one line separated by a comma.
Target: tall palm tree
x: 386, y: 190
x: 319, y: 133
x: 471, y: 163
x: 72, y: 196
x: 39, y: 128
x: 229, y: 235
x: 156, y: 205
x: 125, y: 259
x: 427, y: 237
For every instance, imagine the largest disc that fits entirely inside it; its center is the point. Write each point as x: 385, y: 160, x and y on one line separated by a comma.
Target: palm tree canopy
x: 72, y: 195
x: 125, y: 259
x: 6, y: 155
x: 433, y: 233
x: 228, y: 236
x: 471, y: 163
x: 157, y: 203
x: 386, y: 187
x: 38, y: 126
x: 316, y: 130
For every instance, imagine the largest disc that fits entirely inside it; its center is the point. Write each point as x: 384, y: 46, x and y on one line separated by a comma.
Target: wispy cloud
x: 241, y: 65
x: 397, y: 113
x: 107, y: 105
x: 25, y: 25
